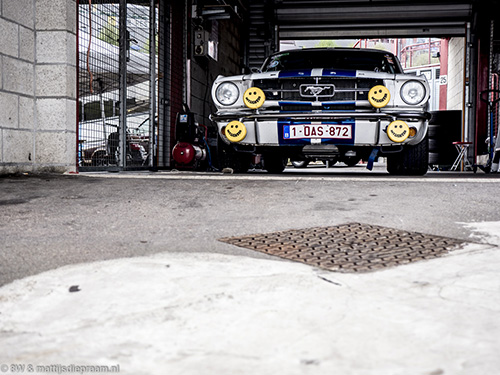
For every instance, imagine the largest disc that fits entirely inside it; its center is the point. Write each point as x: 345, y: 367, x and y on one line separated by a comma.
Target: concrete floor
x: 157, y: 293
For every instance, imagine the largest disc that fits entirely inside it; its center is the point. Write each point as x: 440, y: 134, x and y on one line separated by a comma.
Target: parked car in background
x: 324, y: 104
x: 100, y: 141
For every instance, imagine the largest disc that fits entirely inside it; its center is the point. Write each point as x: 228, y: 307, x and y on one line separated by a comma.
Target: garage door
x: 297, y: 19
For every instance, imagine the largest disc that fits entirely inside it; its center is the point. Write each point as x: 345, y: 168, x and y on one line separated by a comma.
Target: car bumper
x: 365, y: 129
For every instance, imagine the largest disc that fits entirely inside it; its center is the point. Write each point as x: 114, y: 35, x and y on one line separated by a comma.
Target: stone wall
x: 37, y: 86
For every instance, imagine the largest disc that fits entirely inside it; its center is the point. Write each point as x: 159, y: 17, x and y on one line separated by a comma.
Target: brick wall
x: 37, y: 85
x: 456, y: 50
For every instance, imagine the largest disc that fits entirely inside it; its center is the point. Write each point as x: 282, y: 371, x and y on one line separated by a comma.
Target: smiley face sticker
x: 254, y: 98
x: 379, y: 96
x: 398, y: 131
x: 235, y: 131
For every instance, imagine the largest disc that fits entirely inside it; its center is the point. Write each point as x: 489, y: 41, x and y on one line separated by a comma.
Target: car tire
x: 99, y: 159
x: 300, y: 163
x: 239, y: 162
x: 351, y: 161
x: 274, y: 163
x: 433, y: 158
x: 411, y: 161
x: 445, y: 127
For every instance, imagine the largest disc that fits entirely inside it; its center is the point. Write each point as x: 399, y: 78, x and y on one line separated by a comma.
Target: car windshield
x: 354, y: 59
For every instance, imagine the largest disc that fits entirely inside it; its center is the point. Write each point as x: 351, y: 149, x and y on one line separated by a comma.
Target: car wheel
x: 300, y: 163
x: 99, y: 159
x: 274, y: 163
x: 412, y: 160
x: 239, y: 162
x: 351, y: 161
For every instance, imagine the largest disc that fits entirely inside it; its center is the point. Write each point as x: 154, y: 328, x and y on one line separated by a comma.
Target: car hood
x: 303, y: 73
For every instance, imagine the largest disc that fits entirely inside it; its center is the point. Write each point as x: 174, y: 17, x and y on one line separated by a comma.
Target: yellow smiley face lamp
x: 254, y: 98
x: 398, y: 131
x: 379, y: 96
x: 235, y: 131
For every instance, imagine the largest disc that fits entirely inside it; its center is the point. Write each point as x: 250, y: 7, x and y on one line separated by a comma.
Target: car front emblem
x: 317, y: 91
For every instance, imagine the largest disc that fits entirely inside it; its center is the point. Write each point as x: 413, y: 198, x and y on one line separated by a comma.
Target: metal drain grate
x: 350, y: 247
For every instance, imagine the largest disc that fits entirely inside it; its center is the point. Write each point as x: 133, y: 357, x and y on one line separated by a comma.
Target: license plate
x: 318, y: 131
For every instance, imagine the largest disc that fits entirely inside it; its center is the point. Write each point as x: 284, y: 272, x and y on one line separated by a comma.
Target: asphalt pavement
x: 50, y: 221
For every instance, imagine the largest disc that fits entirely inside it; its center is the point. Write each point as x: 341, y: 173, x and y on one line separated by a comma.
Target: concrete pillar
x: 456, y: 53
x: 38, y: 86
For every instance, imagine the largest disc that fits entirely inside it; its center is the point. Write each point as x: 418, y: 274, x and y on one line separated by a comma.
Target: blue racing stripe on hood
x: 295, y: 73
x: 338, y: 73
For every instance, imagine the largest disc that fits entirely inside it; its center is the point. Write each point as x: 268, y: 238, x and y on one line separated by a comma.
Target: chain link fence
x: 117, y: 45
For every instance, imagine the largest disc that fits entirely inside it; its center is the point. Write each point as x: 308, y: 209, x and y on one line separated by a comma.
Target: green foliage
x: 423, y: 59
x: 326, y: 44
x: 110, y: 33
x: 147, y: 46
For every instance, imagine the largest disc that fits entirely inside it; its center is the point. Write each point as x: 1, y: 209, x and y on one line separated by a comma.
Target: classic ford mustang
x: 324, y: 104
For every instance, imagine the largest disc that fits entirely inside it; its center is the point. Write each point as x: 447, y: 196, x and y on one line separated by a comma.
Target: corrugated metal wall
x: 261, y: 32
x: 299, y: 19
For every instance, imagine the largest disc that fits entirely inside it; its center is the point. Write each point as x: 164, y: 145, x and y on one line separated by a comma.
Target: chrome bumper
x: 374, y: 116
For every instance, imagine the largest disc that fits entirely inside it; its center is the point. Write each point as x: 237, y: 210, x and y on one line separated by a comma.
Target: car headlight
x: 227, y: 93
x: 413, y: 92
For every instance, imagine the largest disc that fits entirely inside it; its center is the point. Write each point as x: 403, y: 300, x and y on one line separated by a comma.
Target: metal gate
x: 117, y: 45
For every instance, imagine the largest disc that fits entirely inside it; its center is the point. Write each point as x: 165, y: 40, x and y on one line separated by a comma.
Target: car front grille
x: 332, y: 91
x: 290, y: 107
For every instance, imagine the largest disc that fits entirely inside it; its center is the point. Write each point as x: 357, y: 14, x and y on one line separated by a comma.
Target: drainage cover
x: 350, y: 247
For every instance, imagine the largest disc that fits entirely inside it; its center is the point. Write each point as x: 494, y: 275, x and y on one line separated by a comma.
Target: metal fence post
x: 123, y: 84
x: 152, y: 85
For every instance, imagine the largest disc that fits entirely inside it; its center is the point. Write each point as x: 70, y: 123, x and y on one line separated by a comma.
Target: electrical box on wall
x: 201, y: 42
x: 203, y: 46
